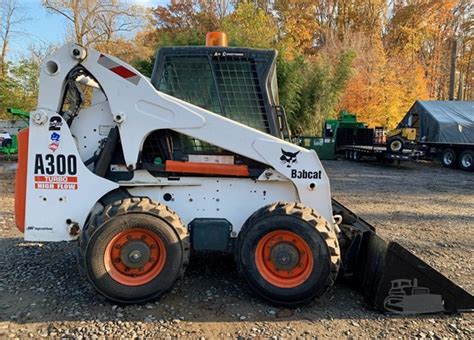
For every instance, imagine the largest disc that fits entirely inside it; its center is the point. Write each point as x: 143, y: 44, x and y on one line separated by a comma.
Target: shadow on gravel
x: 40, y: 283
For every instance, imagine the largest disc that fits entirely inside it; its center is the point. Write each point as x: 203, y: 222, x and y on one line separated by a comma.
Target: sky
x: 44, y: 27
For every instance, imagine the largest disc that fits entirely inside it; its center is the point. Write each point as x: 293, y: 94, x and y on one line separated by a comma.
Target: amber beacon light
x: 216, y: 39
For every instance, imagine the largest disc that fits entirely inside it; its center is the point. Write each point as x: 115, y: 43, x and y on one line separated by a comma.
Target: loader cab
x: 237, y: 83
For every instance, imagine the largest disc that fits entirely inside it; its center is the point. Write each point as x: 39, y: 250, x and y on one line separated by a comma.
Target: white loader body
x: 61, y: 190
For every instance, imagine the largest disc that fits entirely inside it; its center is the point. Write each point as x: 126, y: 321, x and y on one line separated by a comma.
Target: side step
x: 392, y: 278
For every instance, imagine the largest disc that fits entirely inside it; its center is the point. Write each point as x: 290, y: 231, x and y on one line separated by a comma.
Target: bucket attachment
x: 392, y: 278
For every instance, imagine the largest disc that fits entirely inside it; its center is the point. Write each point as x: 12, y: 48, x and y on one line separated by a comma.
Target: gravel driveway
x: 425, y: 207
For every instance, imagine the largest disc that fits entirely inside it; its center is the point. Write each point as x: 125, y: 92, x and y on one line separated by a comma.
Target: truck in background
x: 441, y: 129
x: 348, y: 138
x: 8, y: 139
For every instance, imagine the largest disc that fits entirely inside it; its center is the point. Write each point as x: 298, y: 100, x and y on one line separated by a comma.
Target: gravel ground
x: 427, y: 208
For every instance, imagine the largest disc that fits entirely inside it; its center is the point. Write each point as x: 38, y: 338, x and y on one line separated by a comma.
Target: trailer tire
x: 133, y: 250
x: 395, y: 144
x: 351, y: 155
x: 466, y: 160
x: 303, y: 260
x: 357, y: 156
x: 449, y: 158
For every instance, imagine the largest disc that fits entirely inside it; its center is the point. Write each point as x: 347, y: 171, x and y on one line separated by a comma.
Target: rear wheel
x: 448, y: 158
x: 288, y: 254
x: 466, y: 160
x: 134, y: 250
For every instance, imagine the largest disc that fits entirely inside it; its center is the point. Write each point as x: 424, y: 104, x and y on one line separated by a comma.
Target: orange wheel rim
x: 135, y: 257
x: 284, y: 259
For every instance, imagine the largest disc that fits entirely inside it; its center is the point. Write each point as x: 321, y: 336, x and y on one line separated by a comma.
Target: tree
x: 97, y: 21
x: 297, y: 26
x: 19, y: 89
x: 250, y: 26
x: 10, y: 18
x: 187, y: 22
x: 374, y: 57
x: 311, y: 90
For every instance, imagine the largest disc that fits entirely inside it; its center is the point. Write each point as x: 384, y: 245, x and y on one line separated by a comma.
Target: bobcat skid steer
x: 141, y: 177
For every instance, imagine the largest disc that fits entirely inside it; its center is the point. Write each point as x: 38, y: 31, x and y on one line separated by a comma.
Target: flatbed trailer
x: 377, y: 152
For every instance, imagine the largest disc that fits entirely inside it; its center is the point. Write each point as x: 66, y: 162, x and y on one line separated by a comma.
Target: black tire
x: 122, y: 216
x: 351, y: 155
x: 395, y: 144
x: 449, y: 158
x: 466, y: 160
x: 7, y: 143
x: 347, y: 154
x: 305, y: 223
x: 357, y: 156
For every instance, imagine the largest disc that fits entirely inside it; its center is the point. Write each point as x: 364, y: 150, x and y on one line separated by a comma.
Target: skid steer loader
x: 141, y: 177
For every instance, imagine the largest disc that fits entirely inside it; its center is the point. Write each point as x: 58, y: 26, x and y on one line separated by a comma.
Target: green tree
x: 250, y: 26
x: 311, y: 91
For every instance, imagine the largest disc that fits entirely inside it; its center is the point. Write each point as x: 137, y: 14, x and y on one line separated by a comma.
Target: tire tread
x: 127, y: 206
x: 307, y: 214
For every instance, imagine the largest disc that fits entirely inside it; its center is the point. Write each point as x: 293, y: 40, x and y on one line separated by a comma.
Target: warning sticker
x: 119, y: 69
x: 56, y: 182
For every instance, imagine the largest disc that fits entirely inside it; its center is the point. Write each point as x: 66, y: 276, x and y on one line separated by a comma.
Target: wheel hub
x: 285, y: 256
x: 135, y: 257
x: 448, y: 158
x: 396, y: 145
x: 135, y: 254
x: 284, y: 259
x: 467, y: 161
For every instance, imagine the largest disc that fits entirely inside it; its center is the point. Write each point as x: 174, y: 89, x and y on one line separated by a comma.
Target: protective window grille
x: 231, y: 88
x: 190, y: 79
x: 240, y: 91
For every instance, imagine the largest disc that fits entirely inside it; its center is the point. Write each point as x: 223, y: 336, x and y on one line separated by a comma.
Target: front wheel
x: 134, y: 250
x: 288, y: 254
x: 395, y: 144
x: 448, y: 158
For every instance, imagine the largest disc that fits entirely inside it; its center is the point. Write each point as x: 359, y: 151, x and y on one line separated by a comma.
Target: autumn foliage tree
x: 374, y: 58
x: 383, y: 54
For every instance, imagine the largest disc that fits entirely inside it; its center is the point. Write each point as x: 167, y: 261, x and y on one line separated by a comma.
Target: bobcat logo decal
x: 288, y: 158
